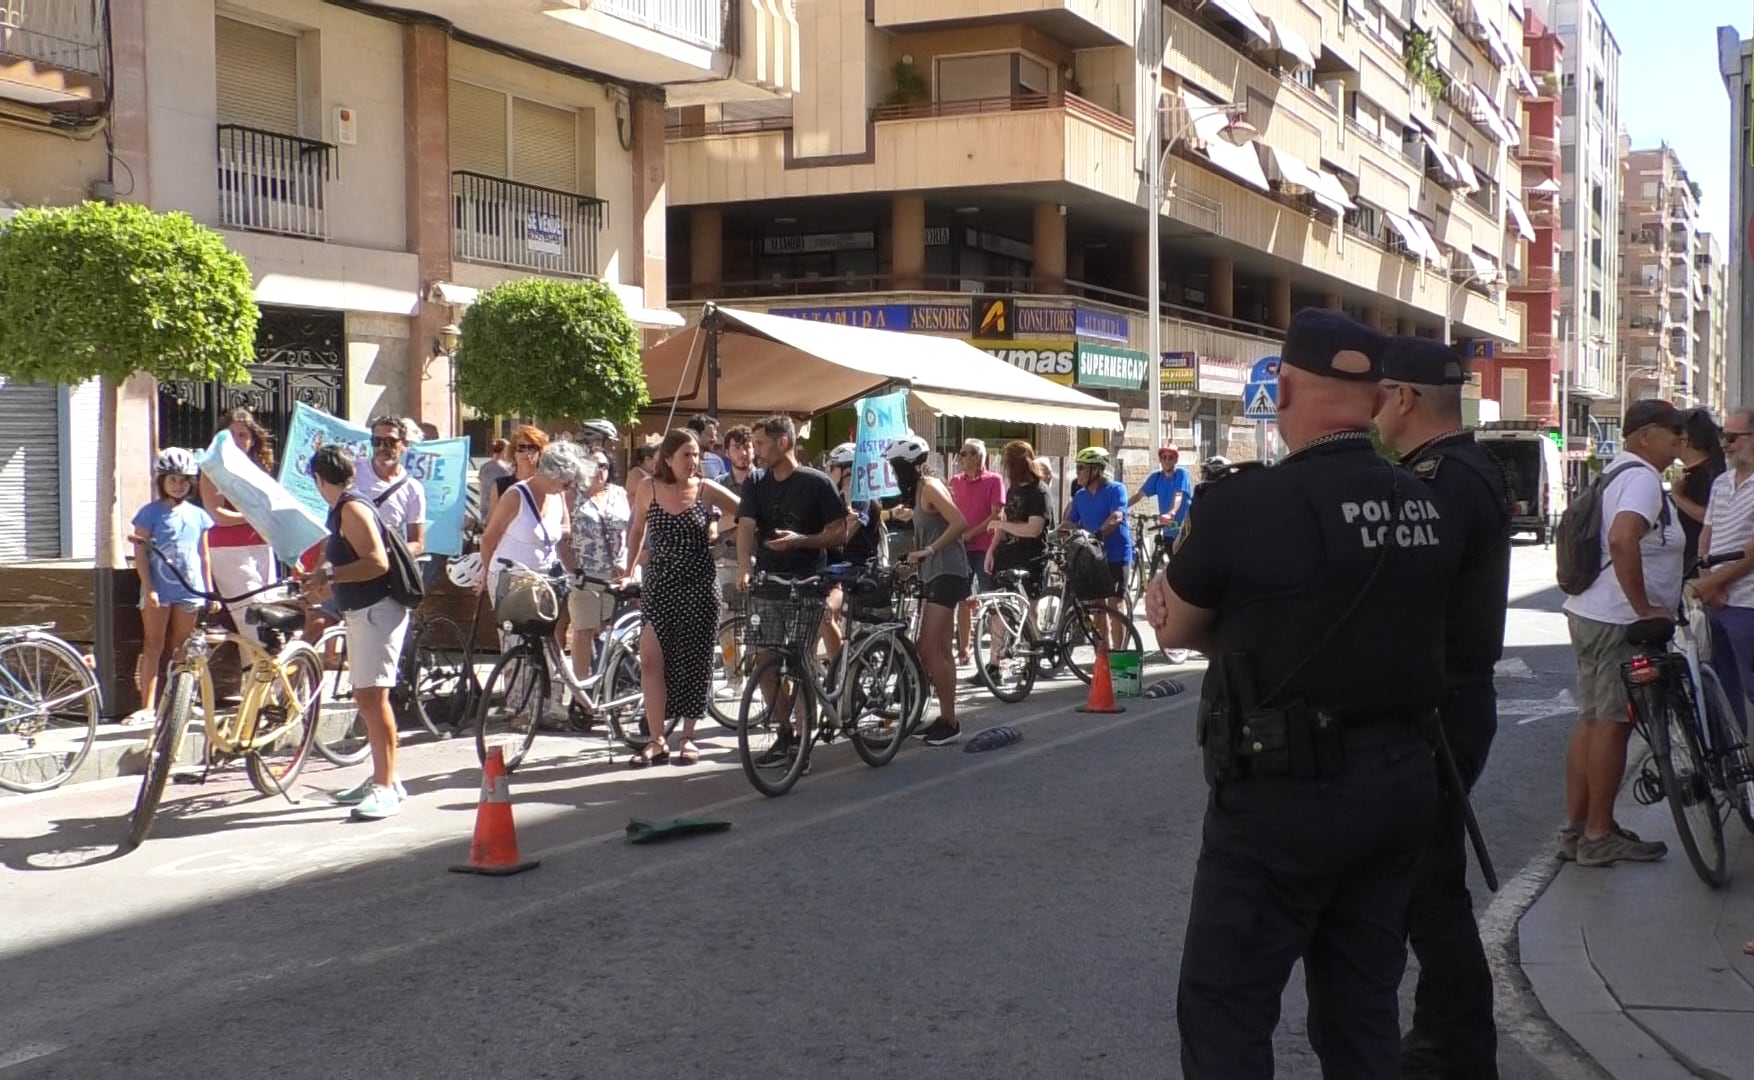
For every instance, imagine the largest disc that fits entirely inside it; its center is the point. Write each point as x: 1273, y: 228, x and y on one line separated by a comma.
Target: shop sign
x: 1482, y: 349
x: 937, y: 235
x: 1047, y: 321
x: 1221, y: 378
x: 939, y: 318
x: 1178, y: 370
x: 1055, y: 361
x: 993, y: 317
x: 870, y: 316
x: 1111, y: 367
x: 811, y: 243
x: 1101, y: 325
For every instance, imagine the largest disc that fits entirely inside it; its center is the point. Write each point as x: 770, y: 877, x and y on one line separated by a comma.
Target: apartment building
x: 939, y: 148
x: 1525, y: 380
x: 1661, y: 286
x: 375, y: 164
x: 1711, y: 327
x: 1736, y: 65
x: 1589, y: 209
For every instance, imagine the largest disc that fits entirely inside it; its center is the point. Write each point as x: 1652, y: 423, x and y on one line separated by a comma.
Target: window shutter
x: 257, y: 77
x: 545, y: 146
x: 478, y: 135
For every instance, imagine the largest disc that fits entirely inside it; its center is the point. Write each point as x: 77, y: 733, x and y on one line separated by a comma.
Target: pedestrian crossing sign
x: 1261, y: 401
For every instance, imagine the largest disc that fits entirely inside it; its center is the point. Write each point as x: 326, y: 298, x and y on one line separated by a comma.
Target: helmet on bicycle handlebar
x: 842, y: 455
x: 1092, y: 455
x: 465, y: 573
x: 175, y: 461
x: 910, y: 448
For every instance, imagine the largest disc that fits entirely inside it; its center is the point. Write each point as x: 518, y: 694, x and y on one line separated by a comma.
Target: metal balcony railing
x: 66, y: 34
x: 502, y: 223
x: 274, y: 183
x: 699, y: 21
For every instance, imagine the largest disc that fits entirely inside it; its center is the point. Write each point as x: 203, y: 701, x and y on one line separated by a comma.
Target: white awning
x: 1494, y: 39
x: 1331, y: 193
x: 1239, y: 161
x: 1242, y: 12
x: 1465, y: 173
x: 1483, y: 266
x: 1494, y: 120
x: 1524, y: 227
x: 769, y: 363
x: 1291, y: 168
x: 1427, y: 243
x: 1409, y: 236
x: 632, y: 299
x: 1548, y: 186
x: 1524, y: 80
x: 1443, y: 159
x: 1290, y: 42
x: 1516, y: 8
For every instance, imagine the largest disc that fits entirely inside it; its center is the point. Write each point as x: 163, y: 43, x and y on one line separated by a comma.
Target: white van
x: 1534, y: 473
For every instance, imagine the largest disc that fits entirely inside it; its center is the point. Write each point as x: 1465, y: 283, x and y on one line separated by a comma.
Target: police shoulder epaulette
x: 1426, y: 468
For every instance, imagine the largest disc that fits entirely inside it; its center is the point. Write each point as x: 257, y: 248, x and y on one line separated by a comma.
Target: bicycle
x: 48, y: 697
x: 869, y: 694
x: 275, y: 723
x: 435, y: 686
x: 1148, y: 537
x: 1699, y: 760
x: 515, y: 692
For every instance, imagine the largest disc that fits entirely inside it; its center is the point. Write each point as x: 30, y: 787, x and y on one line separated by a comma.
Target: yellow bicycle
x: 275, y: 723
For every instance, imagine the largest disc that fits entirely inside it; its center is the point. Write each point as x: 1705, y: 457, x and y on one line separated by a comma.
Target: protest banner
x: 882, y: 420
x: 288, y: 525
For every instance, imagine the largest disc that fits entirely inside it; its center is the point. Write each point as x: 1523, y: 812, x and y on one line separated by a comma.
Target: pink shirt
x: 977, y: 497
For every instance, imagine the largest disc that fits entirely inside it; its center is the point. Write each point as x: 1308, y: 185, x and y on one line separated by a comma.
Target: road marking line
x: 17, y: 1056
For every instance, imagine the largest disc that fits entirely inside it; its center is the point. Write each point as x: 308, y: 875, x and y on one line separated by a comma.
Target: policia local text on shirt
x: 1315, y: 723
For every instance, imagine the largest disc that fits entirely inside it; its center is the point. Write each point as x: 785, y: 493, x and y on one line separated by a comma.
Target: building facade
x: 954, y: 147
x: 1661, y: 282
x: 1711, y: 327
x: 374, y: 164
x: 1736, y: 65
x: 1589, y: 210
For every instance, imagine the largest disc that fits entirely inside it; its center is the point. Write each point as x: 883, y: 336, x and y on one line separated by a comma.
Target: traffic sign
x: 1261, y: 401
x: 1605, y: 449
x: 1266, y: 369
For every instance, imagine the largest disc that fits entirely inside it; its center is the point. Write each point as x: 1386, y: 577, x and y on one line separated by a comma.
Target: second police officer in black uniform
x: 1421, y: 419
x: 1317, y: 586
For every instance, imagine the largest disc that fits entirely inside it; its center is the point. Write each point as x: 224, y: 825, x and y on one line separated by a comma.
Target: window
x: 256, y: 76
x: 1595, y: 303
x: 989, y: 75
x: 511, y: 138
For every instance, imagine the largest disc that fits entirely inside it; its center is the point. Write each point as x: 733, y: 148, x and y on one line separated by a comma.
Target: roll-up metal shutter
x: 545, y: 145
x: 30, y: 471
x: 257, y: 79
x: 478, y: 129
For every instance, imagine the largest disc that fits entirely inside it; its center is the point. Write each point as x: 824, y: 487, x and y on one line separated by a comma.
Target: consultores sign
x: 1055, y: 361
x: 1110, y: 366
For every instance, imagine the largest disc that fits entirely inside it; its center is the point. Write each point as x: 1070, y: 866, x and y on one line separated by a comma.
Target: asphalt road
x: 1012, y: 914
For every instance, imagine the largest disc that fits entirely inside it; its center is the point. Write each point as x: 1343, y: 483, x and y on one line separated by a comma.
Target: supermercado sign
x: 1110, y: 366
x: 1056, y: 361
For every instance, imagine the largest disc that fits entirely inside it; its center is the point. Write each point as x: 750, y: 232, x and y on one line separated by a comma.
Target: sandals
x: 138, y: 718
x: 645, y: 760
x: 687, y: 753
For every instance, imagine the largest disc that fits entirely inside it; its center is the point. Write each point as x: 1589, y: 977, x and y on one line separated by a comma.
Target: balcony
x: 51, y: 51
x: 1537, y: 150
x: 699, y: 21
x: 1072, y: 103
x: 1649, y: 239
x: 274, y: 183
x: 501, y: 223
x: 1535, y: 279
x: 1082, y: 24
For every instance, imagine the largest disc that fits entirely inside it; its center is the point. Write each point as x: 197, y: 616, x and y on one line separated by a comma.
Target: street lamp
x: 1488, y: 277
x: 1238, y: 132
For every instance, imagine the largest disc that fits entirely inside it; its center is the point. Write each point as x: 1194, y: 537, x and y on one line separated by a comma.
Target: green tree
x: 545, y: 348
x: 102, y: 291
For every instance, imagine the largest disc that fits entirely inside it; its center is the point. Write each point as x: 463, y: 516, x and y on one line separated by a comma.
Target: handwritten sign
x: 290, y: 526
x: 882, y: 420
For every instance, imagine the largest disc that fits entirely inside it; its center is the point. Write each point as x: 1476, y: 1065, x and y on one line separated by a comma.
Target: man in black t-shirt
x: 790, y: 515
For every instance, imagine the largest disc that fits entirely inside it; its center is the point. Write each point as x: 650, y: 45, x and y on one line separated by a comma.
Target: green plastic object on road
x: 1125, y: 667
x: 641, y: 831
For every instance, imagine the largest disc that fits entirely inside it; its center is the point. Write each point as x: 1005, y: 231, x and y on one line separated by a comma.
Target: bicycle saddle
x: 1648, y: 632
x: 275, y: 617
x: 1011, y: 577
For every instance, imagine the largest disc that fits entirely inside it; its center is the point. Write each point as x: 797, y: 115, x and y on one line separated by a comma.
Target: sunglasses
x: 528, y: 448
x: 386, y: 442
x: 1732, y: 436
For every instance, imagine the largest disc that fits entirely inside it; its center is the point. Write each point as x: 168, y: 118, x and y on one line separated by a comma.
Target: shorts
x: 1601, y: 648
x: 947, y: 590
x: 180, y: 605
x: 590, y: 606
x: 374, y: 642
x: 1117, y: 576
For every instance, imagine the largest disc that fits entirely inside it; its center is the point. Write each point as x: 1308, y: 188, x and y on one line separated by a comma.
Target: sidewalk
x: 1642, y: 964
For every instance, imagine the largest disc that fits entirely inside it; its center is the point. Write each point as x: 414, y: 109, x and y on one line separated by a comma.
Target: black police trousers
x: 1318, y: 869
x: 1453, y: 1031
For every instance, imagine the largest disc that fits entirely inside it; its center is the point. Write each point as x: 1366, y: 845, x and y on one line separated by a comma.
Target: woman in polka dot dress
x: 676, y: 514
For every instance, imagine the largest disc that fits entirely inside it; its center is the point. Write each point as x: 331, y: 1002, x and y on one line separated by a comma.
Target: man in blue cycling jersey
x: 1174, y: 489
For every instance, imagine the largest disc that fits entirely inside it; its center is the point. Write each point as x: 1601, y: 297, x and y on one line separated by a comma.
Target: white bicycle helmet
x: 909, y: 448
x: 600, y: 429
x: 175, y: 461
x: 465, y: 573
x: 843, y: 455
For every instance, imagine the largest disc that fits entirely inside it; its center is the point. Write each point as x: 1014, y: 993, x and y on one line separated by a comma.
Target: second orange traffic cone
x: 1102, y: 685
x: 494, y: 851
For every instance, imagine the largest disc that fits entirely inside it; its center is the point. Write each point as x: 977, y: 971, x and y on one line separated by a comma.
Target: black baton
x: 1453, y: 776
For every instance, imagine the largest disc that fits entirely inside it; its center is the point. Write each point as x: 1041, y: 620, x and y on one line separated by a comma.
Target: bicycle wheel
x: 775, y: 753
x: 440, y: 690
x: 341, y: 737
x: 883, y: 682
x: 293, y: 702
x: 161, y: 754
x: 621, y: 679
x: 1050, y: 608
x: 49, y: 705
x: 1078, y: 647
x: 1687, y: 786
x: 510, y: 708
x: 731, y: 663
x: 1004, y: 659
x: 1735, y: 771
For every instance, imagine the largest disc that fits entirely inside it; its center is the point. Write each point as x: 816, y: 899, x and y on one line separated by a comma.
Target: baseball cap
x: 1422, y: 362
x: 1332, y: 345
x: 1643, y: 414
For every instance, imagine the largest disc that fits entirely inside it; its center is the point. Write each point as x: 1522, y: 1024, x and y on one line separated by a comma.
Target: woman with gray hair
x: 529, y: 527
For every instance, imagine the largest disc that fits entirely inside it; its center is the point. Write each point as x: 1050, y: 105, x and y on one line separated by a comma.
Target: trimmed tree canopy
x: 108, y: 290
x: 540, y: 347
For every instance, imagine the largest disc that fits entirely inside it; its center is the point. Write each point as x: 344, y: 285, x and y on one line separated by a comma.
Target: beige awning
x: 1465, y: 173
x: 1291, y: 169
x: 1209, y: 120
x: 1483, y: 265
x: 1524, y: 227
x: 1290, y: 42
x: 1492, y: 117
x: 1244, y: 13
x: 1330, y: 193
x: 1443, y: 159
x: 770, y: 363
x: 1427, y: 243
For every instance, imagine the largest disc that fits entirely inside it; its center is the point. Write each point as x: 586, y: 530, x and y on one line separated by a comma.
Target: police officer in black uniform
x: 1317, y: 587
x: 1420, y: 418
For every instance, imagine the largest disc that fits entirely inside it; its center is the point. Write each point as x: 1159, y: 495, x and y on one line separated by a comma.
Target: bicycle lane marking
x: 303, y: 859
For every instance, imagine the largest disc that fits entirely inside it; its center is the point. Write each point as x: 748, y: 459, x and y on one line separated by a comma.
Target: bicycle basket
x: 526, y: 600
x: 871, y: 599
x: 780, y: 620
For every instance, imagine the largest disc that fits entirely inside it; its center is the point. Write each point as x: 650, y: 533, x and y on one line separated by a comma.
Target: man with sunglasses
x: 1728, y: 589
x: 384, y: 483
x: 1419, y: 417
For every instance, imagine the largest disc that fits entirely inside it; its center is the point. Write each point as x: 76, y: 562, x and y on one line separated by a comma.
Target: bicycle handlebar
x: 290, y: 584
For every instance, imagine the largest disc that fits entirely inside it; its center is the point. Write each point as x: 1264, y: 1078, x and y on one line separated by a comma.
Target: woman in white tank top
x: 529, y: 526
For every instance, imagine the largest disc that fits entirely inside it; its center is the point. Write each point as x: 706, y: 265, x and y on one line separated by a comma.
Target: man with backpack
x: 1620, y: 554
x: 1099, y: 507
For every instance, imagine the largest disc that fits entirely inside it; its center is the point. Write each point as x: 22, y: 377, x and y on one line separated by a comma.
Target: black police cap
x: 1422, y: 362
x: 1325, y: 342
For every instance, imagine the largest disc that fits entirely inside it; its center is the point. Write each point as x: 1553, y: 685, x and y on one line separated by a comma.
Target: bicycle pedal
x: 191, y: 779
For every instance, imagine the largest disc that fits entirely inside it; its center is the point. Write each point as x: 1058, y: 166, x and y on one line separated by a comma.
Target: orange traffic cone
x: 494, y: 850
x: 1102, y: 687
